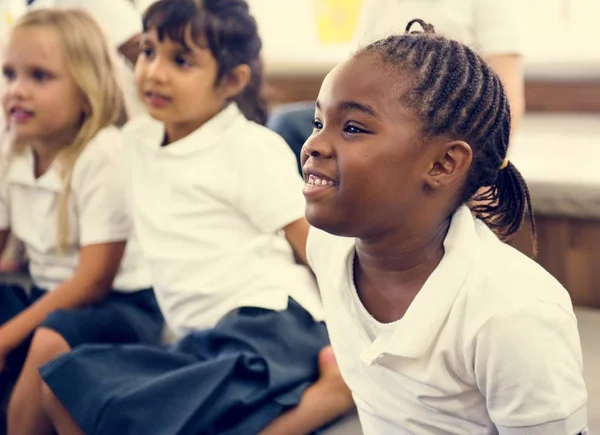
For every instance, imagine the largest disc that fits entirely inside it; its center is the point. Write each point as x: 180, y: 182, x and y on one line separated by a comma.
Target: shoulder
x: 142, y: 130
x: 138, y: 124
x: 107, y: 142
x: 503, y: 283
x: 524, y: 347
x: 103, y: 150
x: 253, y: 148
x: 251, y: 138
x: 521, y: 280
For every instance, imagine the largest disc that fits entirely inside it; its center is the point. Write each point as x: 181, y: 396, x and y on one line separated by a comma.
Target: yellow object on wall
x: 337, y: 20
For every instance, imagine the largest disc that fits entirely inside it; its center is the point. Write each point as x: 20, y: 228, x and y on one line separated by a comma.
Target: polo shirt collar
x: 417, y: 330
x: 22, y: 169
x: 207, y: 135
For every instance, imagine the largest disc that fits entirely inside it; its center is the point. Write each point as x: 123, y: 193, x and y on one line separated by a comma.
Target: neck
x: 45, y: 151
x: 402, y: 257
x: 177, y: 131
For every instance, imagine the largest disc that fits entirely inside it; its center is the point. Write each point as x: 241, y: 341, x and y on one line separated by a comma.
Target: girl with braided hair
x: 437, y: 326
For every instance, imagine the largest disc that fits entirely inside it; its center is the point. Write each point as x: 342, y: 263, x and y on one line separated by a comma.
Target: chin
x: 23, y: 133
x: 330, y: 224
x: 157, y: 113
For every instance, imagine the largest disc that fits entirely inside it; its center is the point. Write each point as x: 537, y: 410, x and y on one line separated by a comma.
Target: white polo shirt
x: 98, y: 212
x: 489, y: 345
x: 208, y: 212
x: 490, y: 27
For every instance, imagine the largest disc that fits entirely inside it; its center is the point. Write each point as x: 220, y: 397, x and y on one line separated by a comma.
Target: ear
x: 451, y: 164
x: 235, y: 82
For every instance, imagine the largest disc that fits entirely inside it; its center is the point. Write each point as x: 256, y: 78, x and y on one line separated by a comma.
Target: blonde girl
x: 61, y: 193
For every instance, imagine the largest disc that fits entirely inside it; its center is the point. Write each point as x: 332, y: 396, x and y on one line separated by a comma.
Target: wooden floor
x: 569, y: 249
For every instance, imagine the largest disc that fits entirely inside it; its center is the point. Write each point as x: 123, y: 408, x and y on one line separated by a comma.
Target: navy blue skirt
x: 233, y: 379
x: 119, y: 318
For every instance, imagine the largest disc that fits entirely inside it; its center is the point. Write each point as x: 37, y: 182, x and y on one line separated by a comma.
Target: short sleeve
x: 99, y: 189
x: 119, y: 19
x: 528, y: 365
x: 498, y: 27
x: 269, y: 187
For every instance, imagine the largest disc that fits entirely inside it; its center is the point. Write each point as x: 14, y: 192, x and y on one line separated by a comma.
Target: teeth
x: 316, y: 181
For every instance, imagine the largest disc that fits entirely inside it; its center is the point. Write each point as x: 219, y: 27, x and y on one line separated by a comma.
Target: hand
x: 10, y: 266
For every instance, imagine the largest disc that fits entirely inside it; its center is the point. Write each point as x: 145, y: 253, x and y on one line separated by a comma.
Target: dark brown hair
x: 227, y: 29
x: 456, y: 94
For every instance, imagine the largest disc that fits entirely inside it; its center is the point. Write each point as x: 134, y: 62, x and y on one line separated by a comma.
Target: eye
x: 182, y: 62
x: 147, y: 52
x: 352, y: 129
x: 40, y: 75
x: 8, y: 74
x: 317, y: 125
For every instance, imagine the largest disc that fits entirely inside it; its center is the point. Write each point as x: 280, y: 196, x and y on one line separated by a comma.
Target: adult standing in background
x: 492, y: 27
x: 141, y: 5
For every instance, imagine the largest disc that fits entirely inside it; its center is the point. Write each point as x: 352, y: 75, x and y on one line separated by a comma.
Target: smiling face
x: 41, y: 100
x: 365, y: 164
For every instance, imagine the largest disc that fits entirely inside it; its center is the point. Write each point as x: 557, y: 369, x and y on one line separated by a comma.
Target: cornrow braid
x: 456, y: 94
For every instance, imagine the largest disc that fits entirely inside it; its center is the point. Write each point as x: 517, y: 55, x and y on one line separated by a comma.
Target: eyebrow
x: 31, y: 67
x: 349, y: 106
x: 179, y: 48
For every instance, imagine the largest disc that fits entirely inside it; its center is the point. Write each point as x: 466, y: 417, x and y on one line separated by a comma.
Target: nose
x: 317, y: 146
x: 16, y: 88
x: 156, y: 70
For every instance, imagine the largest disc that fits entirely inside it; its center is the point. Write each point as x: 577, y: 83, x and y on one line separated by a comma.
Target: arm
x: 103, y: 225
x: 281, y: 206
x: 509, y: 68
x: 296, y: 234
x: 130, y: 49
x: 98, y: 265
x: 12, y: 256
x: 498, y: 28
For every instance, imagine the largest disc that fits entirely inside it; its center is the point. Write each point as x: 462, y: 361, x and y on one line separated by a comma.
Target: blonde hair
x: 91, y: 63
